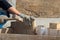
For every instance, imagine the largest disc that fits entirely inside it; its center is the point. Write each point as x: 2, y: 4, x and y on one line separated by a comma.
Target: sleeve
x: 5, y: 5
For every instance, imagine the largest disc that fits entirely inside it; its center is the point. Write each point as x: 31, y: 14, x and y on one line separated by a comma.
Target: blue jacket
x: 5, y: 6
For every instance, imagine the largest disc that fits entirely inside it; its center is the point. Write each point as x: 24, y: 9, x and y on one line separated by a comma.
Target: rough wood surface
x: 26, y: 37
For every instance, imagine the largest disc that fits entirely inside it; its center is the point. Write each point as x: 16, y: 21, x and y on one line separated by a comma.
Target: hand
x: 32, y: 18
x: 27, y: 19
x: 26, y: 16
x: 22, y: 15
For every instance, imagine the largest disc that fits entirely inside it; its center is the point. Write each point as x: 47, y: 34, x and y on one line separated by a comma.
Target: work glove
x: 24, y: 16
x: 21, y: 15
x: 27, y: 19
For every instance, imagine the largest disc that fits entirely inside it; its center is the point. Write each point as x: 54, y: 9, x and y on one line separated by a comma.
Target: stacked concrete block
x: 53, y: 32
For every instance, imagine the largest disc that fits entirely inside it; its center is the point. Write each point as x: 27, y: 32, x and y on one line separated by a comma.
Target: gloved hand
x: 27, y: 19
x: 24, y: 16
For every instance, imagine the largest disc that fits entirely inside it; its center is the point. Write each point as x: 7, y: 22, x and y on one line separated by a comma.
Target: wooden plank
x: 27, y: 37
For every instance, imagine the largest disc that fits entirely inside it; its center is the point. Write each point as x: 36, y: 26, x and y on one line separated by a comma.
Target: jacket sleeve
x: 5, y: 5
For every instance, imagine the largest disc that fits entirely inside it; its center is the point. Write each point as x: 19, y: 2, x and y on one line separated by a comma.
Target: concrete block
x: 20, y: 28
x: 52, y: 32
x: 58, y: 26
x: 53, y: 25
x: 58, y: 33
x: 6, y: 31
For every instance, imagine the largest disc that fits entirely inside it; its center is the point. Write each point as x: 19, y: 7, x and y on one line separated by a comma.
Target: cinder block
x: 58, y: 32
x: 6, y: 31
x: 20, y: 28
x: 52, y: 32
x: 52, y: 38
x: 58, y: 26
x: 53, y: 25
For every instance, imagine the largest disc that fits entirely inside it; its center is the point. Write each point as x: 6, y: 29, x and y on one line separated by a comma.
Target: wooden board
x: 26, y: 37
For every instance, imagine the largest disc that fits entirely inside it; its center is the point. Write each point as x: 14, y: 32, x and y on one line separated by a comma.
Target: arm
x: 6, y: 6
x: 13, y: 10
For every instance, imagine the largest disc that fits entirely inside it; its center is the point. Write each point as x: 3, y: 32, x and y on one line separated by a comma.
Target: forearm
x: 6, y: 6
x: 13, y: 10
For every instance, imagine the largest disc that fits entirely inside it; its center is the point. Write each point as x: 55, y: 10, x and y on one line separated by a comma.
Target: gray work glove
x: 27, y: 19
x: 24, y: 16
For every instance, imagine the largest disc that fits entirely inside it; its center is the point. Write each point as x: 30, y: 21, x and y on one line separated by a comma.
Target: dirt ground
x: 40, y: 8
